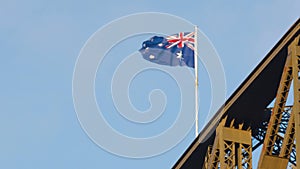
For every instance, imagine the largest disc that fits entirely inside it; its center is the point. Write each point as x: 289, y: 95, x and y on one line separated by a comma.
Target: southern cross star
x: 179, y: 55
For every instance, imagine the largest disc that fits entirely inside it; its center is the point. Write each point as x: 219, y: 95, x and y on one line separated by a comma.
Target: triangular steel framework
x: 277, y: 128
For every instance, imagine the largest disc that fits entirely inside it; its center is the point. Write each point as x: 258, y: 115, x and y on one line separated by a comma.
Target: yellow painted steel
x: 291, y: 72
x: 275, y: 119
x: 280, y: 47
x: 273, y: 162
x: 294, y: 52
x: 207, y: 157
x: 232, y: 148
x: 289, y: 137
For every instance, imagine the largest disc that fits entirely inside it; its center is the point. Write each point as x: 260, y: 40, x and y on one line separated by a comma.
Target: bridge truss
x: 245, y: 123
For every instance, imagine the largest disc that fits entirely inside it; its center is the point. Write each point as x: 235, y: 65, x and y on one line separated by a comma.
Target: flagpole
x: 196, y: 80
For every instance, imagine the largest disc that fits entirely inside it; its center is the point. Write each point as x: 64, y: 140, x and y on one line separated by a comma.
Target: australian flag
x: 174, y: 50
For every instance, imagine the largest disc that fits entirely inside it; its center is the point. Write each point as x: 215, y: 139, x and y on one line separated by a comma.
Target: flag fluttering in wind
x: 174, y: 50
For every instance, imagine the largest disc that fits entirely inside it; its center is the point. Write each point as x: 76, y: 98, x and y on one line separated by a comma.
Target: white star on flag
x: 179, y: 55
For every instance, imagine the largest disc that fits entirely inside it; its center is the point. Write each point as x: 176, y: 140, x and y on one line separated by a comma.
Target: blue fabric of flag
x: 174, y: 50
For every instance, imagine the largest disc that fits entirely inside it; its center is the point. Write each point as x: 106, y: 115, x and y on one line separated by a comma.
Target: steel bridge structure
x: 245, y: 122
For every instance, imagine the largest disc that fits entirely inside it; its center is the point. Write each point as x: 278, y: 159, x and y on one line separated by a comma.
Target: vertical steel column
x: 294, y: 52
x: 207, y: 157
x: 228, y: 142
x: 289, y: 137
x: 267, y: 160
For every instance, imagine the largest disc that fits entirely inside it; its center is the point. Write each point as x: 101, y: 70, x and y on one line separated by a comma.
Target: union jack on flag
x: 180, y: 40
x: 173, y: 50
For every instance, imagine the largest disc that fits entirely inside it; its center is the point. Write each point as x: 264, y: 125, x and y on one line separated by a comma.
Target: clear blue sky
x: 39, y: 45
